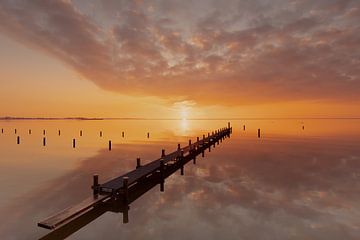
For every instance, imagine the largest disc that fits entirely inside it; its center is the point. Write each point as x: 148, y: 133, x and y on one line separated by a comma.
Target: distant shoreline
x: 214, y: 119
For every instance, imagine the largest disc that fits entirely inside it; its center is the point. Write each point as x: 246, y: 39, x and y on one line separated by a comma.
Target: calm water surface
x: 293, y: 183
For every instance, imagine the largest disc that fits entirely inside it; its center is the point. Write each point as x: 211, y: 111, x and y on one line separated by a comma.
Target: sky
x: 180, y: 59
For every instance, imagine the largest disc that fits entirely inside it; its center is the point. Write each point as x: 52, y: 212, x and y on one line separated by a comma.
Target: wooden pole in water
x: 244, y: 127
x: 162, y: 180
x: 59, y: 132
x: 162, y: 152
x: 74, y: 143
x: 178, y: 147
x: 80, y: 133
x: 95, y: 184
x: 259, y: 133
x: 44, y: 132
x: 138, y: 163
x: 148, y: 135
x: 123, y: 134
x: 126, y: 189
x: 2, y: 130
x: 44, y: 141
x: 190, y: 145
x: 29, y: 131
x: 100, y: 133
x: 15, y: 130
x: 18, y: 140
x: 109, y: 145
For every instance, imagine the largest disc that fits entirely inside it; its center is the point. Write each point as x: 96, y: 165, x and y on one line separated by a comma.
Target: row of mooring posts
x: 80, y: 133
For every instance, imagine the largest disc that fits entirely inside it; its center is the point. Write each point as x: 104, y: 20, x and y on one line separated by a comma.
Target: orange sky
x: 167, y: 60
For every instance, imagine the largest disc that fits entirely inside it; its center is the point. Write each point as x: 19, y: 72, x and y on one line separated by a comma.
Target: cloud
x: 241, y: 52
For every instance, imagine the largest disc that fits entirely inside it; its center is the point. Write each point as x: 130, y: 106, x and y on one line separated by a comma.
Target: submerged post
x: 244, y: 127
x: 80, y: 133
x: 59, y: 132
x: 44, y: 141
x: 138, y: 163
x: 44, y: 132
x: 178, y: 147
x: 109, y: 145
x: 29, y: 131
x: 162, y: 152
x: 100, y: 133
x: 15, y: 130
x: 74, y: 143
x: 95, y: 184
x: 2, y: 130
x: 259, y: 133
x: 123, y: 134
x: 148, y: 135
x: 18, y: 140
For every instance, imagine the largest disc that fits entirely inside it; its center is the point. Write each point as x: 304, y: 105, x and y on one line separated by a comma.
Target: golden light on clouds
x: 179, y: 59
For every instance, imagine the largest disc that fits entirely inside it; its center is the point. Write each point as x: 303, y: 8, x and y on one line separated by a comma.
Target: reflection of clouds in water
x: 241, y: 190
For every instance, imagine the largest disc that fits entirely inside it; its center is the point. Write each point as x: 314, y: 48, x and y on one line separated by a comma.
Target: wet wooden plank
x: 71, y: 212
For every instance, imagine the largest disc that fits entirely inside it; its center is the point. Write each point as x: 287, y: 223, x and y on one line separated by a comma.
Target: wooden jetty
x: 123, y: 190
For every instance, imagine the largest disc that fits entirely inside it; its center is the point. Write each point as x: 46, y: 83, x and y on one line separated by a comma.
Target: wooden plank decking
x: 120, y: 187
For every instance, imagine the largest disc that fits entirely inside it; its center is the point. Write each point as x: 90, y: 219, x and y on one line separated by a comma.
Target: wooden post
x: 18, y: 140
x: 162, y: 175
x: 303, y: 127
x: 138, y: 163
x: 100, y: 133
x: 126, y: 189
x: 44, y: 132
x: 74, y: 143
x: 44, y: 141
x: 2, y: 130
x: 126, y: 215
x: 190, y: 149
x: 29, y: 131
x: 95, y: 184
x: 80, y: 133
x: 178, y: 147
x: 163, y: 153
x: 15, y: 130
x: 148, y: 135
x: 109, y: 145
x: 244, y: 127
x: 123, y: 134
x: 259, y: 133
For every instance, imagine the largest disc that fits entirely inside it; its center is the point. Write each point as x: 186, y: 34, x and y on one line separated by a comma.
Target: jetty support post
x: 162, y: 180
x: 18, y: 139
x: 162, y: 152
x: 74, y: 142
x: 259, y: 134
x: 95, y: 185
x: 44, y: 141
x: 138, y: 163
x: 126, y: 190
x: 109, y: 145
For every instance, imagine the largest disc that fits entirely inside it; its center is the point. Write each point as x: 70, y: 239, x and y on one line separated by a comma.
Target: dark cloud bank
x: 233, y: 52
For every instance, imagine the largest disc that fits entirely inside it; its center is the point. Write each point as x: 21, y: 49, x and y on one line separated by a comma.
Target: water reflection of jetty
x: 116, y: 194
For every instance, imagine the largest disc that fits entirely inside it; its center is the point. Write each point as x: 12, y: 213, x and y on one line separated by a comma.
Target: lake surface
x: 292, y: 183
